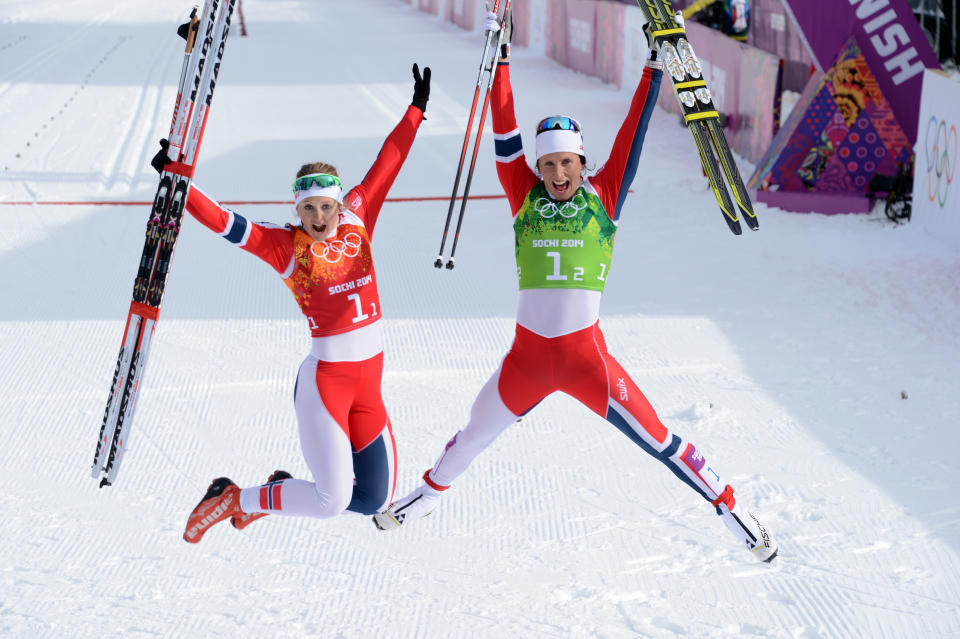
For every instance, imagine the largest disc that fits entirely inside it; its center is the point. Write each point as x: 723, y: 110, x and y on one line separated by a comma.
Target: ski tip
x: 450, y: 264
x: 105, y: 482
x: 439, y: 262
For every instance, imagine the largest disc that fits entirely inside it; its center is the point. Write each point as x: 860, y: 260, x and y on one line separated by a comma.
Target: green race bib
x: 563, y: 244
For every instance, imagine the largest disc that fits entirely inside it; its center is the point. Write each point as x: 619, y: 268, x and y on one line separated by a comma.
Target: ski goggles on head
x: 322, y: 180
x: 317, y: 184
x: 558, y: 123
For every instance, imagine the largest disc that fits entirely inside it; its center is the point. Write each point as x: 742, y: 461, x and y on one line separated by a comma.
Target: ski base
x: 201, y: 65
x: 700, y: 114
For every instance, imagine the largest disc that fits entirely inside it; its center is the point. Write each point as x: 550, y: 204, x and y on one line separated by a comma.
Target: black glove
x: 160, y: 159
x: 421, y: 87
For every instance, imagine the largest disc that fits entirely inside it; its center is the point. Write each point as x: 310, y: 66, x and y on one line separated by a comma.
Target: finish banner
x: 841, y: 132
x: 890, y: 40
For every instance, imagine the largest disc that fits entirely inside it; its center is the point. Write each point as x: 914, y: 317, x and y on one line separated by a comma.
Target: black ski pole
x: 466, y: 141
x: 476, y: 145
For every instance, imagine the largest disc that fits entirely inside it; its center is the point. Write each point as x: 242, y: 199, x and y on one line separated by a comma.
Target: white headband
x: 334, y: 192
x: 557, y: 140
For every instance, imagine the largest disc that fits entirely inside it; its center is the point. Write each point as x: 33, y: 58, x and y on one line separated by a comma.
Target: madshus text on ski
x: 206, y: 35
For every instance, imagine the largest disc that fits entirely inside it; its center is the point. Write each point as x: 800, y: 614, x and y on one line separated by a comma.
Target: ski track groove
x: 36, y: 61
x: 57, y: 100
x: 138, y: 124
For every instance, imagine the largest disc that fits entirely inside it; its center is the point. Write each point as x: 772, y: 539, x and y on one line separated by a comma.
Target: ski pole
x: 466, y: 141
x: 476, y: 145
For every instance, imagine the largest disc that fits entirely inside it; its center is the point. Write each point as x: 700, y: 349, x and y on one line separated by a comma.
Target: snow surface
x: 815, y: 363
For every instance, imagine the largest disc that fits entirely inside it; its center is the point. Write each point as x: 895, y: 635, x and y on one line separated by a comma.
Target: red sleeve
x: 366, y: 198
x: 515, y: 176
x: 271, y: 243
x: 614, y: 178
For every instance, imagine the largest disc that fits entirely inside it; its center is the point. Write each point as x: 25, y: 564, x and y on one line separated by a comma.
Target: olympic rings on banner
x: 942, y: 159
x: 548, y: 208
x: 335, y: 250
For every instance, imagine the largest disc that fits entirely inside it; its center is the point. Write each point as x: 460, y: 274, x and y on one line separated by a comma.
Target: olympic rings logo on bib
x: 548, y: 208
x: 335, y: 250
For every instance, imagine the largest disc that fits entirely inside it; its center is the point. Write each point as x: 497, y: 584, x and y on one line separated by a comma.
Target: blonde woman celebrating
x: 326, y: 262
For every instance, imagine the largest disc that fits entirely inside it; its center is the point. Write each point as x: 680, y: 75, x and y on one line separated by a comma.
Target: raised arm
x: 515, y: 175
x: 271, y: 243
x: 366, y: 198
x: 614, y: 178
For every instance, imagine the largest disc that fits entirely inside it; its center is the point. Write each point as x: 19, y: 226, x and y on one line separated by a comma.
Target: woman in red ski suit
x: 326, y: 261
x: 564, y: 225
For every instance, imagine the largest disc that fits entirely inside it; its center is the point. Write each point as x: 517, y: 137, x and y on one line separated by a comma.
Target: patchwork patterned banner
x: 891, y: 41
x: 840, y: 133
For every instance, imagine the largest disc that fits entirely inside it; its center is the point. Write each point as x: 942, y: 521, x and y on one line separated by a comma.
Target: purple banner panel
x: 841, y: 133
x: 827, y: 203
x: 890, y: 39
x: 772, y: 30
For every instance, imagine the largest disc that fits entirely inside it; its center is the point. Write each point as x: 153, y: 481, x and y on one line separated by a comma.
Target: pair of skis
x: 488, y: 65
x: 696, y: 104
x: 699, y: 113
x: 206, y: 36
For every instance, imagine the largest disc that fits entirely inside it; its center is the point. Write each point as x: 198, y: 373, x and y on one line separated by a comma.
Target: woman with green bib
x: 564, y: 226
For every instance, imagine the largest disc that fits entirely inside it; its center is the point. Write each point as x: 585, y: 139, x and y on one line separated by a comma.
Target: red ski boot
x: 221, y: 501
